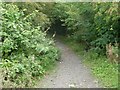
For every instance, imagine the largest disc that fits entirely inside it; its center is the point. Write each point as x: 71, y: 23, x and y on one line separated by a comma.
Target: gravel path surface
x: 69, y: 73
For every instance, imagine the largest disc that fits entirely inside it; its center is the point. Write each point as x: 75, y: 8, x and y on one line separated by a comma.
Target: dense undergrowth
x: 26, y: 51
x: 95, y: 24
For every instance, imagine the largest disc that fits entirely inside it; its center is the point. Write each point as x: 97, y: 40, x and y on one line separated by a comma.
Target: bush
x: 95, y: 24
x: 25, y: 49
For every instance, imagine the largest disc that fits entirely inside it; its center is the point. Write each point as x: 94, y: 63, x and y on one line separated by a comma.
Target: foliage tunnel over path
x: 26, y: 51
x: 95, y: 24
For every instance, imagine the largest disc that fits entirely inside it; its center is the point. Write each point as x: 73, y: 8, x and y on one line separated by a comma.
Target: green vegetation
x: 93, y: 34
x: 102, y: 69
x: 27, y: 52
x: 92, y: 29
x: 94, y: 24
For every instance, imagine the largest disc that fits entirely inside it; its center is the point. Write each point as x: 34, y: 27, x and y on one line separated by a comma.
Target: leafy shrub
x: 94, y: 24
x: 25, y: 49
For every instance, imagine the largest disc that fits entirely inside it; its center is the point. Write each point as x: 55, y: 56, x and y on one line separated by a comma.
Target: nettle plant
x: 25, y: 49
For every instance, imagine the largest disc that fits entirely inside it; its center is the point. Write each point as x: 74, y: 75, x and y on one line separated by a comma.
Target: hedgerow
x: 94, y: 24
x: 26, y: 51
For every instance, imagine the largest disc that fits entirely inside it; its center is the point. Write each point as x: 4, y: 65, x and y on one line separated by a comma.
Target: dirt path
x: 70, y: 72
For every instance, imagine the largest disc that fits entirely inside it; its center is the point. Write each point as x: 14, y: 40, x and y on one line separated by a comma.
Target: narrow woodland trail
x: 70, y: 72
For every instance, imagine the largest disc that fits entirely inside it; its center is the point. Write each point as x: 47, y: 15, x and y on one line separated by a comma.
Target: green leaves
x: 25, y: 48
x: 7, y: 45
x: 95, y: 24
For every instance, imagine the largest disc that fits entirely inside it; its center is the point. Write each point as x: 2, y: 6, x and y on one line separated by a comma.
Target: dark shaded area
x: 57, y: 28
